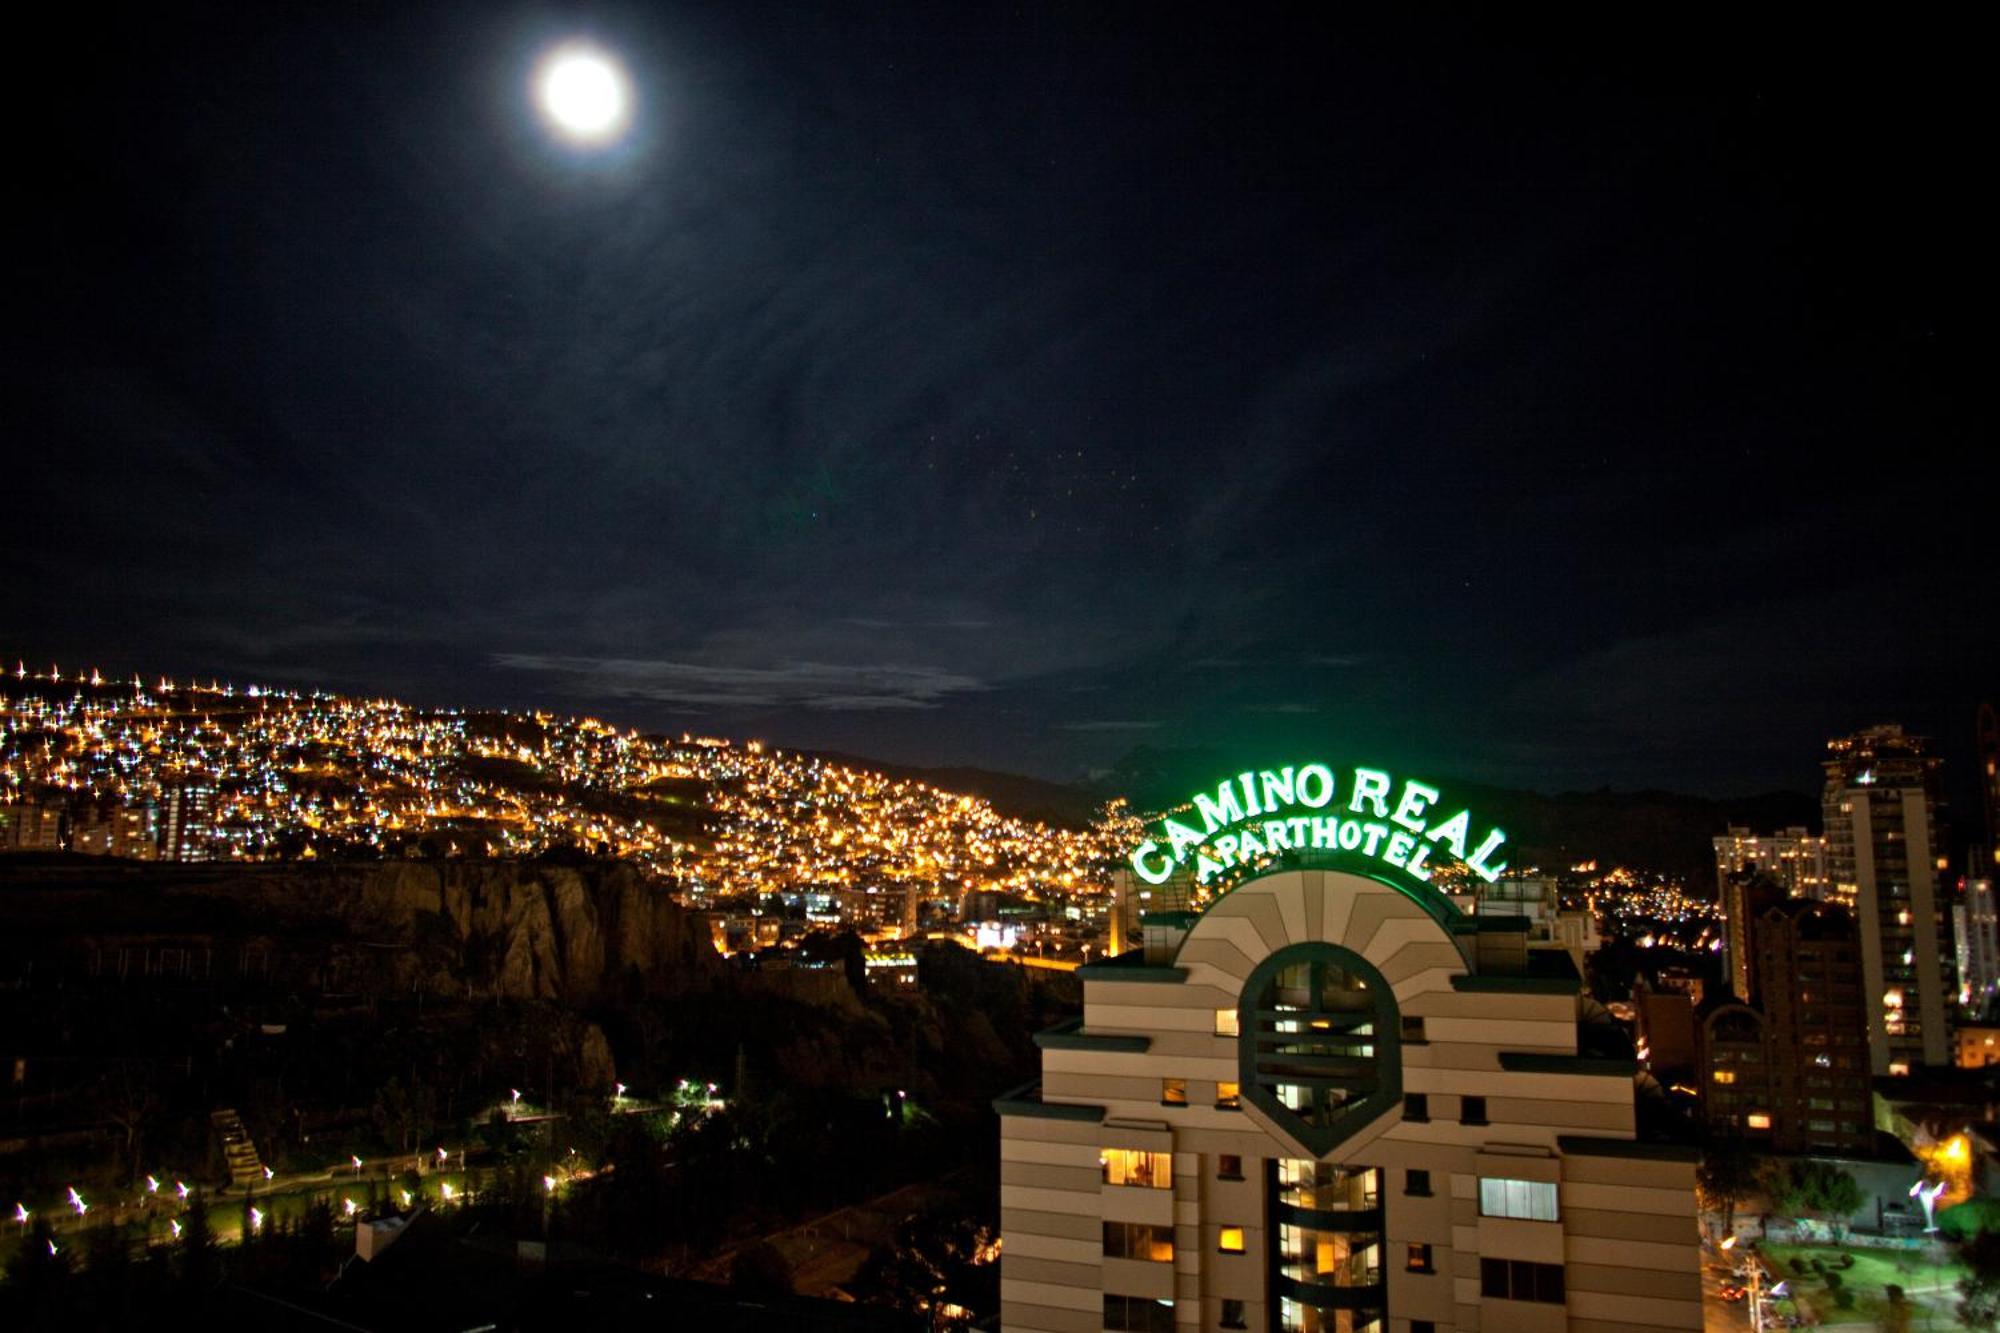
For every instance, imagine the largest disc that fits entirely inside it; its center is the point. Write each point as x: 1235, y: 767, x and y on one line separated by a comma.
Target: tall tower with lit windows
x: 1318, y: 1098
x: 1880, y: 803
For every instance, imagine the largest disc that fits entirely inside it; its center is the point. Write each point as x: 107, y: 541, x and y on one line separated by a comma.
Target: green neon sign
x: 1308, y: 808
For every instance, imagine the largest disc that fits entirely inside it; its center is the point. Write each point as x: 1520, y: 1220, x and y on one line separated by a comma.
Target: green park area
x: 1839, y: 1284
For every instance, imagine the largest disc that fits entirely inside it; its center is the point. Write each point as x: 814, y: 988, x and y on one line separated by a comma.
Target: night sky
x: 1020, y: 386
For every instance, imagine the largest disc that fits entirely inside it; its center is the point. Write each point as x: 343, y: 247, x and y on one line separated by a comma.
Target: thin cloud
x: 817, y: 685
x: 1109, y: 725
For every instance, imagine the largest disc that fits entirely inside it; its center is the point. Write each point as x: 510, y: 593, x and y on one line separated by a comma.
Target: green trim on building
x: 1485, y: 981
x: 1026, y: 1100
x: 1168, y: 918
x: 1069, y: 1036
x: 1131, y: 967
x: 1586, y: 1145
x: 1540, y: 1062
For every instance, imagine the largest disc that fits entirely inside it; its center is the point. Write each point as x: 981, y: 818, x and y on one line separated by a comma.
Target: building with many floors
x: 1328, y: 1100
x: 1794, y: 861
x: 1789, y: 1071
x: 1883, y: 854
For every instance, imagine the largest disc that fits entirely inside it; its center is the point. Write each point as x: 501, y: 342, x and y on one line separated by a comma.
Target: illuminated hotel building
x: 1328, y: 1100
x: 1882, y: 852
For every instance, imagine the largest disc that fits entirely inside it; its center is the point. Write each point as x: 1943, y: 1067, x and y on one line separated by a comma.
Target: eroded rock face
x: 500, y: 929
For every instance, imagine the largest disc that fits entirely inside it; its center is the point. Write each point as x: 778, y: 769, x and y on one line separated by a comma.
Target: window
x: 1225, y: 1023
x: 1529, y: 1200
x: 1229, y: 1166
x: 1758, y: 1120
x: 1419, y: 1260
x: 1139, y: 1240
x: 1232, y: 1314
x: 1729, y: 1075
x: 1132, y: 1166
x: 1324, y: 1187
x: 1138, y: 1314
x: 1413, y: 1029
x: 1471, y: 1110
x: 1230, y: 1240
x: 1228, y: 1096
x: 1423, y: 1326
x: 1173, y: 1092
x: 1518, y: 1280
x: 1417, y: 1182
x: 1416, y: 1106
x: 1319, y: 1042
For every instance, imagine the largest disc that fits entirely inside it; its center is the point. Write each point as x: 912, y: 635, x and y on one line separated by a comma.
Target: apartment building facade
x: 1327, y: 1100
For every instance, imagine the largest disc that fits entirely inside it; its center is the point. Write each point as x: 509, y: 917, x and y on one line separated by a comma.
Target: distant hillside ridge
x: 1060, y: 805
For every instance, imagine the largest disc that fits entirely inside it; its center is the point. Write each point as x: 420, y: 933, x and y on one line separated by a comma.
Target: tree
x: 1811, y: 1188
x: 1979, y: 1289
x: 201, y: 1264
x: 1727, y: 1175
x: 38, y: 1278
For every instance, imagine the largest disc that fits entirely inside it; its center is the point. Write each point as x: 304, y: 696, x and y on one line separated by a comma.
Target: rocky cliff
x: 502, y: 929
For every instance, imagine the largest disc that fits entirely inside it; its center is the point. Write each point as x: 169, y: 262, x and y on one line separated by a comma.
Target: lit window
x: 1133, y: 1166
x: 1419, y: 1260
x: 1757, y: 1120
x: 1173, y: 1092
x: 1228, y: 1096
x: 1530, y: 1200
x: 1225, y: 1023
x: 1230, y: 1240
x: 1725, y: 1076
x: 1139, y: 1240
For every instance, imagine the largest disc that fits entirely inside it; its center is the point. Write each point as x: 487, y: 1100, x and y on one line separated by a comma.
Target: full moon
x: 583, y: 93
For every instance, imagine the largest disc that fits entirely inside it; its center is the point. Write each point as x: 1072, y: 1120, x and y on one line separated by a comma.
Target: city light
x: 208, y: 772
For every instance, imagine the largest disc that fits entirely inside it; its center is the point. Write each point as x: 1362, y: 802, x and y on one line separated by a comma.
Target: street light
x: 1756, y: 1271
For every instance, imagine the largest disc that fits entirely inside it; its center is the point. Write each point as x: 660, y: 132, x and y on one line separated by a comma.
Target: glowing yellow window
x: 1725, y: 1076
x: 1231, y: 1240
x: 1228, y: 1096
x: 1133, y: 1166
x: 1225, y: 1023
x: 1758, y: 1120
x: 1173, y: 1092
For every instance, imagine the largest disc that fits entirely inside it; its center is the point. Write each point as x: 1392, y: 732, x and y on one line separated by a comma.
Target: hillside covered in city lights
x: 183, y: 770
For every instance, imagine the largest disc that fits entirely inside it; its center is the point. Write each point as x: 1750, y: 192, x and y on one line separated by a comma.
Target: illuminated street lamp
x: 152, y: 1185
x: 1756, y: 1271
x: 180, y: 1188
x: 256, y: 1219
